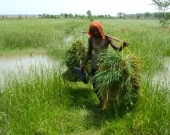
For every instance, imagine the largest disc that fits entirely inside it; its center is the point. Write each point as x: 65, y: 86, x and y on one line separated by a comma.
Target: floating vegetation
x: 118, y: 78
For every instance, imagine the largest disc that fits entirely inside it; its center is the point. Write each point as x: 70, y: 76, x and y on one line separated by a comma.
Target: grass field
x: 46, y: 104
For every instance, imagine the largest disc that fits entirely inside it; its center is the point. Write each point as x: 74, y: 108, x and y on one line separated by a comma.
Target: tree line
x: 146, y: 15
x: 156, y: 15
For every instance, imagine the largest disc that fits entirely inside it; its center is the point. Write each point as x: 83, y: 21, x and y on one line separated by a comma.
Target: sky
x: 97, y: 7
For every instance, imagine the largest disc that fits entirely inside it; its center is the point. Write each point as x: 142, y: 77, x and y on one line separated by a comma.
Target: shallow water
x: 68, y: 39
x: 162, y: 77
x: 24, y: 63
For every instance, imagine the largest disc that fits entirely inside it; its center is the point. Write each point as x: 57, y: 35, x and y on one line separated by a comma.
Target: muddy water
x: 23, y: 61
x: 162, y: 77
x: 16, y: 64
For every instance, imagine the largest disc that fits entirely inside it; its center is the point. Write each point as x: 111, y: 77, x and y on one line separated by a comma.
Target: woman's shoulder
x: 107, y: 38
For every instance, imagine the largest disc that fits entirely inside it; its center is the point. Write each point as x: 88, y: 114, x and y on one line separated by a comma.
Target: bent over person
x: 97, y: 44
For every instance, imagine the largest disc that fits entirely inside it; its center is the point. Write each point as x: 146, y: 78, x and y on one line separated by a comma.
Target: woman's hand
x: 125, y: 44
x: 82, y: 67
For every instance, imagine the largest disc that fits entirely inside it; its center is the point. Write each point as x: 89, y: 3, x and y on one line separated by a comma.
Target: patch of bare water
x: 162, y: 77
x: 68, y: 39
x: 24, y: 63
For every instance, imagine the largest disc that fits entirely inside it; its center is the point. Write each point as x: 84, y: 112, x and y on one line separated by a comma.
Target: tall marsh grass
x: 44, y: 103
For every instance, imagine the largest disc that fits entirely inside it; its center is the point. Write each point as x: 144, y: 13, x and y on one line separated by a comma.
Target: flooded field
x: 24, y: 64
x: 162, y: 77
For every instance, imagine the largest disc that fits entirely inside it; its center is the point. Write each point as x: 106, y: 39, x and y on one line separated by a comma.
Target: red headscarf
x: 99, y: 26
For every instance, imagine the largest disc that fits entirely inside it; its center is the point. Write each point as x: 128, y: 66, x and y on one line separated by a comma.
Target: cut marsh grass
x: 74, y: 57
x: 118, y: 78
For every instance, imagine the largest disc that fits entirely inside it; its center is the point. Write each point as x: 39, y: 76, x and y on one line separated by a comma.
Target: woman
x: 97, y: 44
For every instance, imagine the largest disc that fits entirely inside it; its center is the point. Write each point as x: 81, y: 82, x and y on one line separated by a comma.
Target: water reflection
x: 162, y: 77
x: 68, y: 39
x: 24, y: 63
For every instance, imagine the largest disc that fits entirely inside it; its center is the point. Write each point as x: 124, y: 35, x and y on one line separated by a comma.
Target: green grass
x: 42, y: 103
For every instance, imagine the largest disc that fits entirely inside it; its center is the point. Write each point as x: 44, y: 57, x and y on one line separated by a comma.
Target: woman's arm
x: 88, y: 55
x: 112, y: 44
x: 115, y: 47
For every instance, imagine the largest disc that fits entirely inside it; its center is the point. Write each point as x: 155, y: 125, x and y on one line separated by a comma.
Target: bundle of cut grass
x: 118, y: 78
x: 73, y: 57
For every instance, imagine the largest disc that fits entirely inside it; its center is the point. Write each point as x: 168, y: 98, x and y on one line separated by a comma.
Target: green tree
x: 120, y: 14
x: 124, y: 15
x: 40, y: 15
x: 138, y: 15
x: 20, y: 16
x: 65, y: 15
x: 89, y: 15
x: 147, y: 15
x: 162, y: 7
x: 70, y: 15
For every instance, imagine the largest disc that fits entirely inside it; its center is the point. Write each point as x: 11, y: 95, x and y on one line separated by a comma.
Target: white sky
x: 97, y: 7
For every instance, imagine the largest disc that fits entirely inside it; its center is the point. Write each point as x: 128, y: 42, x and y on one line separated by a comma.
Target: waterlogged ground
x: 163, y: 75
x: 24, y: 64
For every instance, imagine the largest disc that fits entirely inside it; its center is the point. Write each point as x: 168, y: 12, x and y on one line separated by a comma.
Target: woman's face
x: 95, y: 31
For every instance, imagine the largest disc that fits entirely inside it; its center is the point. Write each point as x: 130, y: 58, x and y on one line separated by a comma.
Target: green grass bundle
x: 74, y: 56
x: 118, y: 78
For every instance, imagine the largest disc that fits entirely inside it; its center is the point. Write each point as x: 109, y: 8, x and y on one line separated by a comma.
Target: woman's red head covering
x: 97, y: 25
